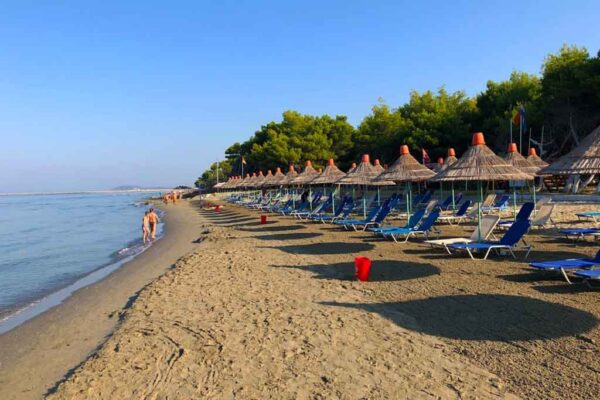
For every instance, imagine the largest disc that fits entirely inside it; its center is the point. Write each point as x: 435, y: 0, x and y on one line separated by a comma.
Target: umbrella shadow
x: 381, y: 270
x: 289, y: 236
x: 280, y: 228
x: 487, y: 317
x: 327, y: 248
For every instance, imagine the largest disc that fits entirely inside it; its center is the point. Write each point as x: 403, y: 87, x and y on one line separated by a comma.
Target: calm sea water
x: 48, y: 242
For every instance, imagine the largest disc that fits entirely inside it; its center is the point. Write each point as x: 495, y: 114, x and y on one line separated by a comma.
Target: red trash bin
x: 218, y: 208
x: 263, y: 219
x: 362, y: 266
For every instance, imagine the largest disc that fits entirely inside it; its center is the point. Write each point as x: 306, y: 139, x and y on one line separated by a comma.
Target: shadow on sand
x: 381, y: 270
x: 327, y: 248
x: 484, y: 317
x: 279, y: 228
x: 289, y: 236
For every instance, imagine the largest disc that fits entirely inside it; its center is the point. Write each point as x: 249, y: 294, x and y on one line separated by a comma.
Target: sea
x: 54, y: 244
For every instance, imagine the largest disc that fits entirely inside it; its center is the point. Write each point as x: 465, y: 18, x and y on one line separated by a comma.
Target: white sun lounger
x: 488, y: 223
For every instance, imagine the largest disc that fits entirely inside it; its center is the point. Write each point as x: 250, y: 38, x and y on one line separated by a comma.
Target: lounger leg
x: 564, y: 274
x: 471, y: 254
x: 487, y: 253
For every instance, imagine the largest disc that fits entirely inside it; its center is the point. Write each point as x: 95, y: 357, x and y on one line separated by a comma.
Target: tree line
x: 562, y: 104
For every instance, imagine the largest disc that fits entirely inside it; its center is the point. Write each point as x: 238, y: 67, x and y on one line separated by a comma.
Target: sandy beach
x: 272, y: 311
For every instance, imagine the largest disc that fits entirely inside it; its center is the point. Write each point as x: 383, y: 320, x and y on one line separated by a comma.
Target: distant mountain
x: 127, y: 187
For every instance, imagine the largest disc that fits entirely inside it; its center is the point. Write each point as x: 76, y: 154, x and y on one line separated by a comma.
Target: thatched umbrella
x: 377, y: 166
x: 406, y: 169
x: 515, y: 159
x: 582, y: 160
x: 450, y: 158
x: 286, y: 181
x: 268, y: 178
x: 244, y: 181
x: 352, y: 168
x: 479, y: 163
x: 305, y: 177
x: 535, y: 159
x: 277, y: 178
x: 330, y: 175
x: 252, y: 181
x: 363, y: 175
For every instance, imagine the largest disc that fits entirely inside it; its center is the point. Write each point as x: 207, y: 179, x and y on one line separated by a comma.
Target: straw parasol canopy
x: 440, y: 164
x: 450, y: 158
x: 517, y: 160
x: 244, y: 181
x: 291, y: 174
x: 330, y: 175
x: 364, y: 174
x: 535, y: 159
x: 305, y: 176
x: 377, y: 166
x: 479, y: 163
x: 219, y: 185
x: 352, y: 168
x: 251, y: 181
x: 583, y: 159
x: 406, y: 169
x: 276, y: 179
x: 268, y: 178
x: 259, y: 179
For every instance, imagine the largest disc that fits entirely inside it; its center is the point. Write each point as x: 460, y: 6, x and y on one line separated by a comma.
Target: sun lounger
x: 459, y: 215
x: 509, y: 241
x: 543, y: 217
x: 524, y: 213
x: 567, y: 265
x: 424, y: 228
x: 593, y: 215
x: 489, y: 200
x: 349, y: 222
x: 411, y: 223
x: 589, y: 276
x: 488, y: 223
x: 446, y: 204
x: 579, y: 233
x: 499, y: 205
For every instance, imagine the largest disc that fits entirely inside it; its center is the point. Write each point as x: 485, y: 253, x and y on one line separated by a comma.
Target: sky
x: 96, y: 94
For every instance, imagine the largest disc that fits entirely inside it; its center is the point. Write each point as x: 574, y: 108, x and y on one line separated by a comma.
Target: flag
x: 426, y: 159
x: 522, y: 118
x: 243, y: 160
x: 519, y: 118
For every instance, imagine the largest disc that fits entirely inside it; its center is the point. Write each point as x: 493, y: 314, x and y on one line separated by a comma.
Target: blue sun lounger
x: 424, y: 228
x: 593, y: 215
x: 349, y: 222
x: 509, y: 241
x: 499, y: 205
x: 411, y: 223
x: 579, y: 233
x: 589, y: 276
x: 569, y: 264
x: 524, y: 213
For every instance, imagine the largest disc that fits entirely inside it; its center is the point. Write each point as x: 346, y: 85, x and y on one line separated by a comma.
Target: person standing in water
x: 153, y: 223
x: 146, y: 227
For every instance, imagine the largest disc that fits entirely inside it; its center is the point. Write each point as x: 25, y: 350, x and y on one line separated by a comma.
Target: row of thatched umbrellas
x: 479, y: 164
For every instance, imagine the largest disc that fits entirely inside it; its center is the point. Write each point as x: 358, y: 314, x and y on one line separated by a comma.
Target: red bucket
x: 263, y: 219
x: 362, y: 266
x: 218, y: 208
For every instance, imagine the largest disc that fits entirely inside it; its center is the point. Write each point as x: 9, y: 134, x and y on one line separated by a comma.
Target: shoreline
x: 40, y: 352
x: 11, y: 318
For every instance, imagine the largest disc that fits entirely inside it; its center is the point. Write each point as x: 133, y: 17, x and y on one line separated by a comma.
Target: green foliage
x: 209, y: 177
x: 565, y: 100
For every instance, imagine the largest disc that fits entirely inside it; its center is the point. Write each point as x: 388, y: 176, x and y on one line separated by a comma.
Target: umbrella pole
x: 534, y: 200
x: 310, y: 196
x: 479, y: 187
x: 514, y: 202
x: 453, y: 202
x: 408, y: 201
x: 441, y: 191
x: 378, y: 197
x: 365, y: 202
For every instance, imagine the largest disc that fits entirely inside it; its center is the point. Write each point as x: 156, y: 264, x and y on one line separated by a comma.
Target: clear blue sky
x: 95, y: 94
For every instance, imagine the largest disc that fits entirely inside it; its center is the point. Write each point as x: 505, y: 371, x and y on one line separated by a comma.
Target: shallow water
x: 48, y: 242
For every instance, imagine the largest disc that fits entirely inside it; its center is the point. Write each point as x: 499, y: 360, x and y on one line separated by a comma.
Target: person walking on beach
x: 153, y: 223
x: 146, y: 227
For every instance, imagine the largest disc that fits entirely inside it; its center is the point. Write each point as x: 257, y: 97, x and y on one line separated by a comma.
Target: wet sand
x: 272, y: 311
x: 38, y: 354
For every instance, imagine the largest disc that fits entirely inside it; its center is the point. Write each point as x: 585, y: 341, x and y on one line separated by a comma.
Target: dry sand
x: 272, y: 311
